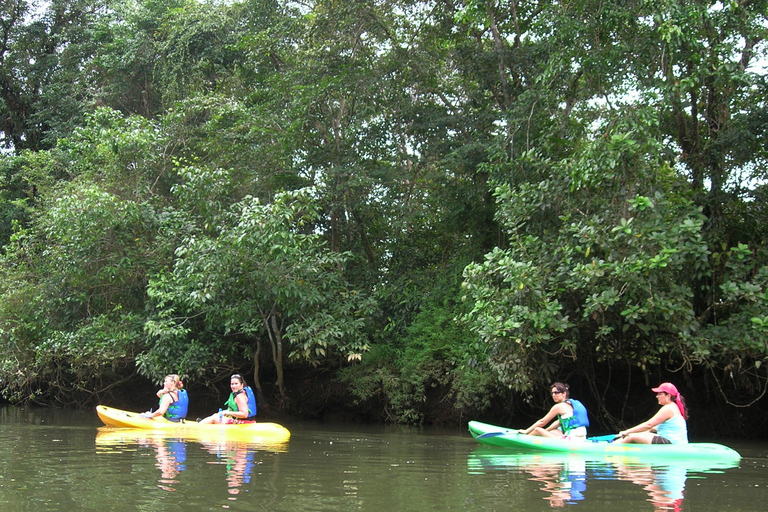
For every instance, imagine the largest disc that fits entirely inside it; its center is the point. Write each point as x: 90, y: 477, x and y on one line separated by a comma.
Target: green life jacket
x: 231, y: 405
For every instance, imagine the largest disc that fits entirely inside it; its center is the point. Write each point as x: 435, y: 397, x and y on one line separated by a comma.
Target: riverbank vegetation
x: 423, y: 201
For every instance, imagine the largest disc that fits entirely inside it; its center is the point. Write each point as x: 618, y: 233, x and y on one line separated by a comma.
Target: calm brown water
x: 59, y: 460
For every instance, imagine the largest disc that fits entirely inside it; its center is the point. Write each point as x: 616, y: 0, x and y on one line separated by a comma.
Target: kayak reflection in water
x: 239, y: 459
x: 171, y: 457
x: 565, y: 483
x: 667, y: 426
x: 568, y: 417
x: 564, y: 476
x: 665, y: 484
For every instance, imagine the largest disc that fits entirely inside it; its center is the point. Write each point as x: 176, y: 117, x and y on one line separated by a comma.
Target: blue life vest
x: 579, y: 418
x: 251, y: 402
x: 178, y: 408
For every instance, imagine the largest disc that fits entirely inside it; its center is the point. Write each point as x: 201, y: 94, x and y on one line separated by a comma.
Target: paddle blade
x: 604, y: 439
x: 494, y: 434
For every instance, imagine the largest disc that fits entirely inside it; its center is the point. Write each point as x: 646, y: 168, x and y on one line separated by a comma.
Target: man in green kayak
x: 667, y: 426
x: 567, y: 419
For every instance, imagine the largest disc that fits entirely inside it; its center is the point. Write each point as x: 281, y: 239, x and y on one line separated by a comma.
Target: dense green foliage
x: 435, y: 202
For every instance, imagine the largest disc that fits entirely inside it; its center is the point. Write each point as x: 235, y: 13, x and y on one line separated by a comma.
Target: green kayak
x: 493, y: 435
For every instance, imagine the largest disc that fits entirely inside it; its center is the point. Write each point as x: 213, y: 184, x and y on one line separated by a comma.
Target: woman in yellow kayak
x: 241, y: 406
x: 174, y: 401
x: 667, y: 426
x: 568, y: 417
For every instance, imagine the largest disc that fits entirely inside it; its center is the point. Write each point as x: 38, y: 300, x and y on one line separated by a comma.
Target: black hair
x: 562, y: 388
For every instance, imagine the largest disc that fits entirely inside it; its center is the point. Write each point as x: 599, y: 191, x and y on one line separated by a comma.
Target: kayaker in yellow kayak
x: 241, y: 406
x: 667, y: 426
x: 174, y: 401
x: 568, y: 417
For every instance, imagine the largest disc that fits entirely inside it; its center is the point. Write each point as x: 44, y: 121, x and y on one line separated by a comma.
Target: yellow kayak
x: 258, y: 431
x: 119, y: 439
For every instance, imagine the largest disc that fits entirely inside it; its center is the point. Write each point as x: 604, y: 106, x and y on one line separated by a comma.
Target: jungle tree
x: 43, y: 48
x: 657, y: 104
x: 267, y: 276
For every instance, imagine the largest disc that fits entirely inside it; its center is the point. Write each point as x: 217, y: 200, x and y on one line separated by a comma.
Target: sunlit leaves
x: 45, y: 46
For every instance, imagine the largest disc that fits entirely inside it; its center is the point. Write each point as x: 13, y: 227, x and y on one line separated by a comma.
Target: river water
x: 62, y: 460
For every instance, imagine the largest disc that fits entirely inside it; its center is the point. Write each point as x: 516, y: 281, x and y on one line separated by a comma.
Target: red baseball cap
x: 666, y: 387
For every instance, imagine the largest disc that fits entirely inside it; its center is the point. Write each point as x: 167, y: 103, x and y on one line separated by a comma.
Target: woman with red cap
x: 668, y: 425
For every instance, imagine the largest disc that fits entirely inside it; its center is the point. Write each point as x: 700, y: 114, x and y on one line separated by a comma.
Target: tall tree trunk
x: 275, y: 332
x: 256, y: 370
x: 277, y: 352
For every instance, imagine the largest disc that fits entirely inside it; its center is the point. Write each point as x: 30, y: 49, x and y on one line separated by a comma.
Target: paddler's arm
x: 660, y: 417
x: 164, y: 403
x: 552, y: 414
